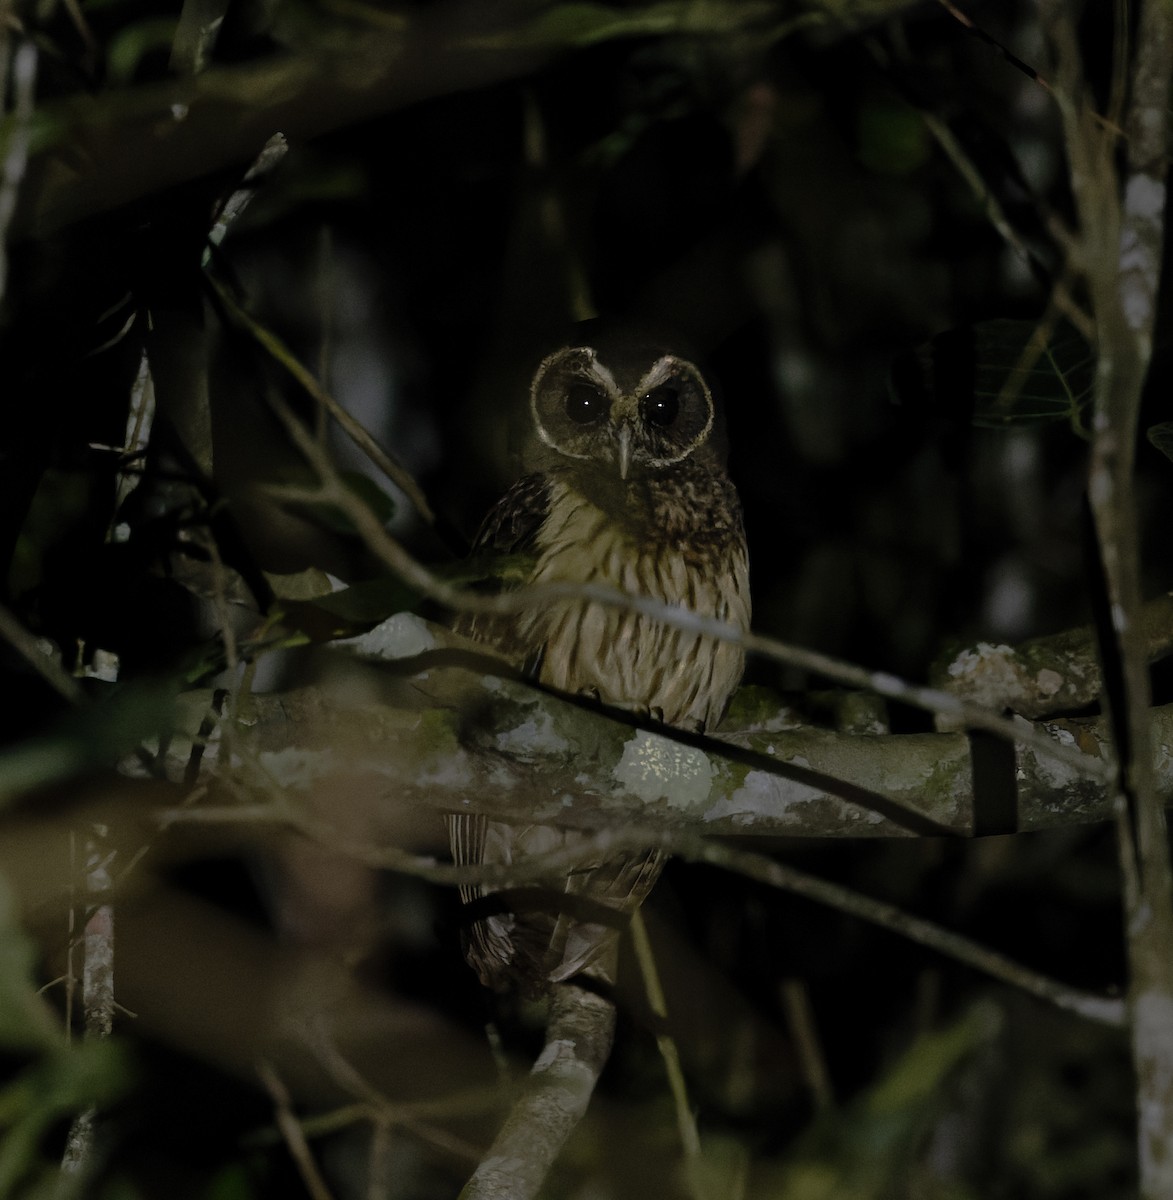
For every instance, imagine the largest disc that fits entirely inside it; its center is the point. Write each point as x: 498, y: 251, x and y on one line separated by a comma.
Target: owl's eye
x: 585, y: 403
x: 661, y: 406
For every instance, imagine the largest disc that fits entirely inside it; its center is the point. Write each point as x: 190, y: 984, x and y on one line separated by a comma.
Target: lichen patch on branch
x: 654, y: 768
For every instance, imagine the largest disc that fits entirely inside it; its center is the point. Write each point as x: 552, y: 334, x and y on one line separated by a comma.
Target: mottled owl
x: 625, y: 486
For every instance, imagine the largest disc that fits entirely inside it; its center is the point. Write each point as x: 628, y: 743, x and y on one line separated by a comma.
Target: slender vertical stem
x: 1122, y: 239
x: 97, y: 985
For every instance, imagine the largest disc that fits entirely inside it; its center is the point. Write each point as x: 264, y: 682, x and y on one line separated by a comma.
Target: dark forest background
x: 852, y: 212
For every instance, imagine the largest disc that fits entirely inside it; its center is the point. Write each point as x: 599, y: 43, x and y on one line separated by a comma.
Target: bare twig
x: 690, y: 1138
x: 1108, y: 122
x: 811, y: 1060
x: 386, y: 462
x: 32, y: 651
x: 381, y: 1112
x: 1108, y: 1010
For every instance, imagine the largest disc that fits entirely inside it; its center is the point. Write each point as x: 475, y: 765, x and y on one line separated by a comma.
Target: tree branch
x: 553, y: 1099
x: 1057, y: 673
x: 445, y: 734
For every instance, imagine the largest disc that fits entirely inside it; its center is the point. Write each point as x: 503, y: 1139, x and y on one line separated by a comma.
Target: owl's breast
x: 624, y: 657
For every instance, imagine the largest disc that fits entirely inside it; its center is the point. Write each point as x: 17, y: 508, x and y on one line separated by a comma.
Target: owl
x: 626, y: 486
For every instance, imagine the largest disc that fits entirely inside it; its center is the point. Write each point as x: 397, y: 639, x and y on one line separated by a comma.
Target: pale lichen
x: 654, y: 767
x: 763, y: 795
x: 403, y: 635
x: 293, y: 767
x: 1048, y: 682
x: 535, y: 735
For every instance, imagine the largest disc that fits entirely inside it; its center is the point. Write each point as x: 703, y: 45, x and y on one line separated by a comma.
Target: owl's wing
x: 509, y: 531
x: 512, y: 524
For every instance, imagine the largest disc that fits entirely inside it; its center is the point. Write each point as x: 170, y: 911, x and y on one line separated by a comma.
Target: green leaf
x: 1020, y: 377
x: 366, y: 603
x: 302, y: 585
x: 368, y: 491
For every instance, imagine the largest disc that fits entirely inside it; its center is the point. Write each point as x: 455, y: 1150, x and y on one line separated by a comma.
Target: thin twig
x: 390, y: 466
x: 690, y: 1138
x: 273, y: 151
x: 811, y: 1059
x: 1107, y: 1010
x: 293, y: 1134
x: 31, y: 650
x: 380, y: 1111
x: 630, y: 836
x: 1109, y: 122
x: 24, y: 86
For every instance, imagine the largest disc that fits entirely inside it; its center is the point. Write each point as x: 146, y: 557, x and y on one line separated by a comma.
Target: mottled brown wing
x: 492, y: 941
x: 512, y: 524
x: 511, y: 527
x: 531, y: 937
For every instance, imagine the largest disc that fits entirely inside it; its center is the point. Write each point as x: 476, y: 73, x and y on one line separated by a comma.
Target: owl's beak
x: 623, y: 453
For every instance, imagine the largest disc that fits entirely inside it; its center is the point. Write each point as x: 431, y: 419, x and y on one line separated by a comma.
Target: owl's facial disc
x: 636, y: 423
x: 672, y: 413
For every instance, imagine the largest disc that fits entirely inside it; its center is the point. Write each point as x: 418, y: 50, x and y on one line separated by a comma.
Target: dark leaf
x: 1161, y: 436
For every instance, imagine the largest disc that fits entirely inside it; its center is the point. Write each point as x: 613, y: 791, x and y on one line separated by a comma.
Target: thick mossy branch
x: 1053, y: 674
x: 435, y: 730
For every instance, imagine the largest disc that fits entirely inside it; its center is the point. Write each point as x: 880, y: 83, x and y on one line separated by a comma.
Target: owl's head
x: 637, y: 415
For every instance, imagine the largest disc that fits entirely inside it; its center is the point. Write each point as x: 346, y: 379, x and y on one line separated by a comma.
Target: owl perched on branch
x: 626, y: 486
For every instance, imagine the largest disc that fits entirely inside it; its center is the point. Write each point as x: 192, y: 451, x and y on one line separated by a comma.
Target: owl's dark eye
x: 585, y: 403
x: 661, y: 406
